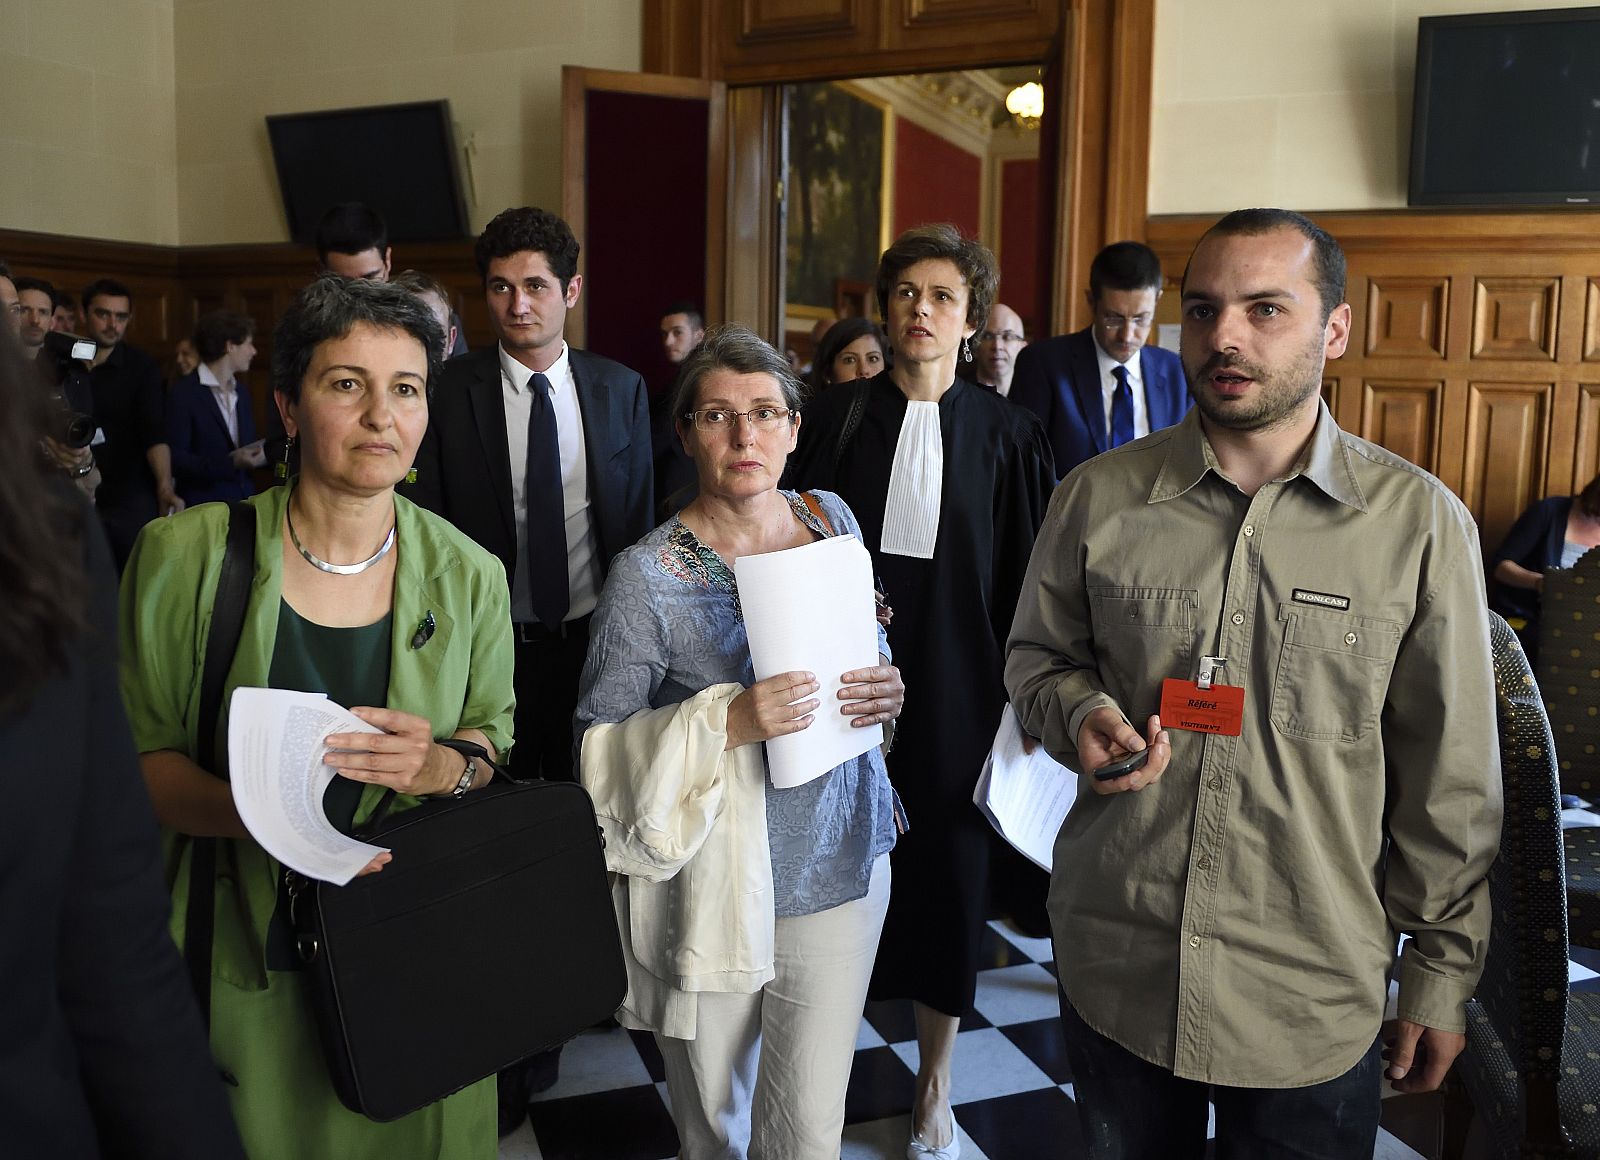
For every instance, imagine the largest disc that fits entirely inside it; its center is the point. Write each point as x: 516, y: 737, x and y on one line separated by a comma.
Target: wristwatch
x: 468, y: 776
x: 473, y: 753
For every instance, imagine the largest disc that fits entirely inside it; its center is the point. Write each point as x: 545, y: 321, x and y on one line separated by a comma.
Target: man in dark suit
x: 210, y: 427
x: 1101, y: 387
x: 541, y: 453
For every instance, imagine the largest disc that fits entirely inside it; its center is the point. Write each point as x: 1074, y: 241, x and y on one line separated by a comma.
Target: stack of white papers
x: 275, y: 750
x: 1024, y: 795
x: 811, y: 609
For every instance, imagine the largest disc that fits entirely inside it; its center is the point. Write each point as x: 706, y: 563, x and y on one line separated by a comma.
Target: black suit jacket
x: 464, y: 464
x: 202, y: 449
x: 102, y: 1053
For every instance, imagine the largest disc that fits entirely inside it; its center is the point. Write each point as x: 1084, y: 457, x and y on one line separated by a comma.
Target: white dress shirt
x: 1108, y: 390
x: 226, y: 396
x: 583, y: 582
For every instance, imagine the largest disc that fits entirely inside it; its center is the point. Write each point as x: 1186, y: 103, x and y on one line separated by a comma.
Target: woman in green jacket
x: 357, y: 594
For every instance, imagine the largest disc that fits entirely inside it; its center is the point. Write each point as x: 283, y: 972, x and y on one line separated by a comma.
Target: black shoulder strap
x: 227, y: 626
x: 852, y: 422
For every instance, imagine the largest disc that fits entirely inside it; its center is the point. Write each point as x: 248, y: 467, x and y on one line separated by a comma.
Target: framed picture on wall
x: 834, y: 208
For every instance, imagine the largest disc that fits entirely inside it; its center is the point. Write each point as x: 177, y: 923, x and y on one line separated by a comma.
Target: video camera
x: 63, y: 357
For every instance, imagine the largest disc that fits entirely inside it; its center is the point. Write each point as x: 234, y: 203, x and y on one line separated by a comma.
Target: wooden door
x: 644, y: 187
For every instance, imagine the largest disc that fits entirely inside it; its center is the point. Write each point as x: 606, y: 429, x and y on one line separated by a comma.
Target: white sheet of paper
x: 1024, y: 795
x: 811, y: 609
x: 275, y: 750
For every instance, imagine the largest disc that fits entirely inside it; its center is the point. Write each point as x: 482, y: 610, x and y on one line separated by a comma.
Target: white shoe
x: 917, y: 1150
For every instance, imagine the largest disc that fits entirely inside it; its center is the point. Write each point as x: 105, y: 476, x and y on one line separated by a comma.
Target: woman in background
x: 1552, y: 533
x: 950, y: 483
x: 185, y: 357
x: 101, y: 1049
x: 853, y: 348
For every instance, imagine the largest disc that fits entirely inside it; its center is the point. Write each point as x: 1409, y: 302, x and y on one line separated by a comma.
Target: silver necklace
x: 337, y: 569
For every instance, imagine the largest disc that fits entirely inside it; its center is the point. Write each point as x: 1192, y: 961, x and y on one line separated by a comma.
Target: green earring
x: 280, y: 469
x: 411, y: 476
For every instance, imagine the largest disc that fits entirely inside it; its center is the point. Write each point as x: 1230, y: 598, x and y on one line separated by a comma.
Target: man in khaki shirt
x: 1226, y: 916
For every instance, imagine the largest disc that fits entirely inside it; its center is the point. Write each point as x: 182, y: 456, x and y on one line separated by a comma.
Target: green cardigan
x: 461, y: 678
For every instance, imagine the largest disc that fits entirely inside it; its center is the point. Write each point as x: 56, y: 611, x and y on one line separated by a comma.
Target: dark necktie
x: 1121, y: 408
x: 547, y: 517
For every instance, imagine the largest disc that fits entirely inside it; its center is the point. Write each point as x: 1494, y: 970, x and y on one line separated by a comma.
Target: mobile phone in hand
x: 1122, y: 766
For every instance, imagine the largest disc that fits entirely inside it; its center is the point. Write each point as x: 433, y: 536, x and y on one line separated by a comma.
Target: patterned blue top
x: 669, y: 625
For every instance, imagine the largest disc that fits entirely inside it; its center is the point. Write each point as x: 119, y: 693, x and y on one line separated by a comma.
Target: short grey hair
x: 330, y: 308
x: 731, y: 347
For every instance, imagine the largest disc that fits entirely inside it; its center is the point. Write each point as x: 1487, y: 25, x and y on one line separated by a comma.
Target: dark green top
x: 350, y: 665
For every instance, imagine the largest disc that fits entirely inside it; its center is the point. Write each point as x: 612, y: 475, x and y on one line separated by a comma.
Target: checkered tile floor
x: 1013, y: 1093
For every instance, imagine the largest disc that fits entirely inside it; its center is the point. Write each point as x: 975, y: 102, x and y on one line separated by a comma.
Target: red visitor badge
x: 1185, y: 705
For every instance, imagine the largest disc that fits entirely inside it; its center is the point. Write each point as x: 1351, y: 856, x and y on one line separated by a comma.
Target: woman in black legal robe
x: 950, y: 484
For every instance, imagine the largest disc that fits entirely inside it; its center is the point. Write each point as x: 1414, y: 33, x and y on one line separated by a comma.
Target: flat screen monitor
x: 398, y: 159
x: 1507, y: 109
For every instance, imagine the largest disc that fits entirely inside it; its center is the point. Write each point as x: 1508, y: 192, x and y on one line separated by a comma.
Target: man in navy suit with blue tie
x: 1102, y: 387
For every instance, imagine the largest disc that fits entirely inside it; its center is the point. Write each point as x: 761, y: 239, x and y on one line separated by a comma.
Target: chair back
x: 1569, y: 670
x: 1524, y: 985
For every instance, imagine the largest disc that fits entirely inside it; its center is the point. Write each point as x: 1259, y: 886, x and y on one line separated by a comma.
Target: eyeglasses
x: 1118, y: 321
x: 717, y: 419
x: 1002, y: 336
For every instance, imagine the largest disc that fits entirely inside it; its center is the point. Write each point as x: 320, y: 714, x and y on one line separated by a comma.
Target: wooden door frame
x: 1106, y: 51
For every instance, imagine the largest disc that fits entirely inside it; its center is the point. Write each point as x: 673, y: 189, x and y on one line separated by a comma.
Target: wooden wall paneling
x: 787, y: 20
x: 920, y: 24
x: 1508, y: 432
x: 757, y: 34
x: 676, y: 38
x: 1586, y: 441
x: 1456, y: 368
x: 1515, y: 317
x: 1403, y: 415
x: 1330, y: 395
x: 1406, y: 317
x: 1591, y: 320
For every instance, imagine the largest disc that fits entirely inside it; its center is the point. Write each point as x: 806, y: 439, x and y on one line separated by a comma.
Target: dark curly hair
x: 972, y: 258
x: 330, y: 308
x: 528, y: 228
x: 216, y: 330
x: 42, y: 581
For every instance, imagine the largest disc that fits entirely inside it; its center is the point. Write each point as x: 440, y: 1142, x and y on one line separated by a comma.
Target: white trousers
x: 764, y: 1078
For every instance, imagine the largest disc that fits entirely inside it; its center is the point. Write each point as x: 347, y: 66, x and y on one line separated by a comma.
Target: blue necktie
x: 547, y: 516
x: 1121, y: 408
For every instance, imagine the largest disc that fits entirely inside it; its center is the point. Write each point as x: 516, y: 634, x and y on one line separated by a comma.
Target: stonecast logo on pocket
x: 1322, y: 599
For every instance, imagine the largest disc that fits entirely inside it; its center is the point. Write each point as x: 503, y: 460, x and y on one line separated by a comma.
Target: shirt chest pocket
x: 1333, y: 672
x: 1142, y: 636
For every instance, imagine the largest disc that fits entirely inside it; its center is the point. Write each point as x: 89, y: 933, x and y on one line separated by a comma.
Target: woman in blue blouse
x: 753, y: 980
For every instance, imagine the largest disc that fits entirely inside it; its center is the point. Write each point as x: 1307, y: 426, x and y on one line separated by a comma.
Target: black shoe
x: 513, y: 1095
x: 543, y: 1070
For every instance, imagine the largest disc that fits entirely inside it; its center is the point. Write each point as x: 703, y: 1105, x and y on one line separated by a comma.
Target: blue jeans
x: 1133, y: 1110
